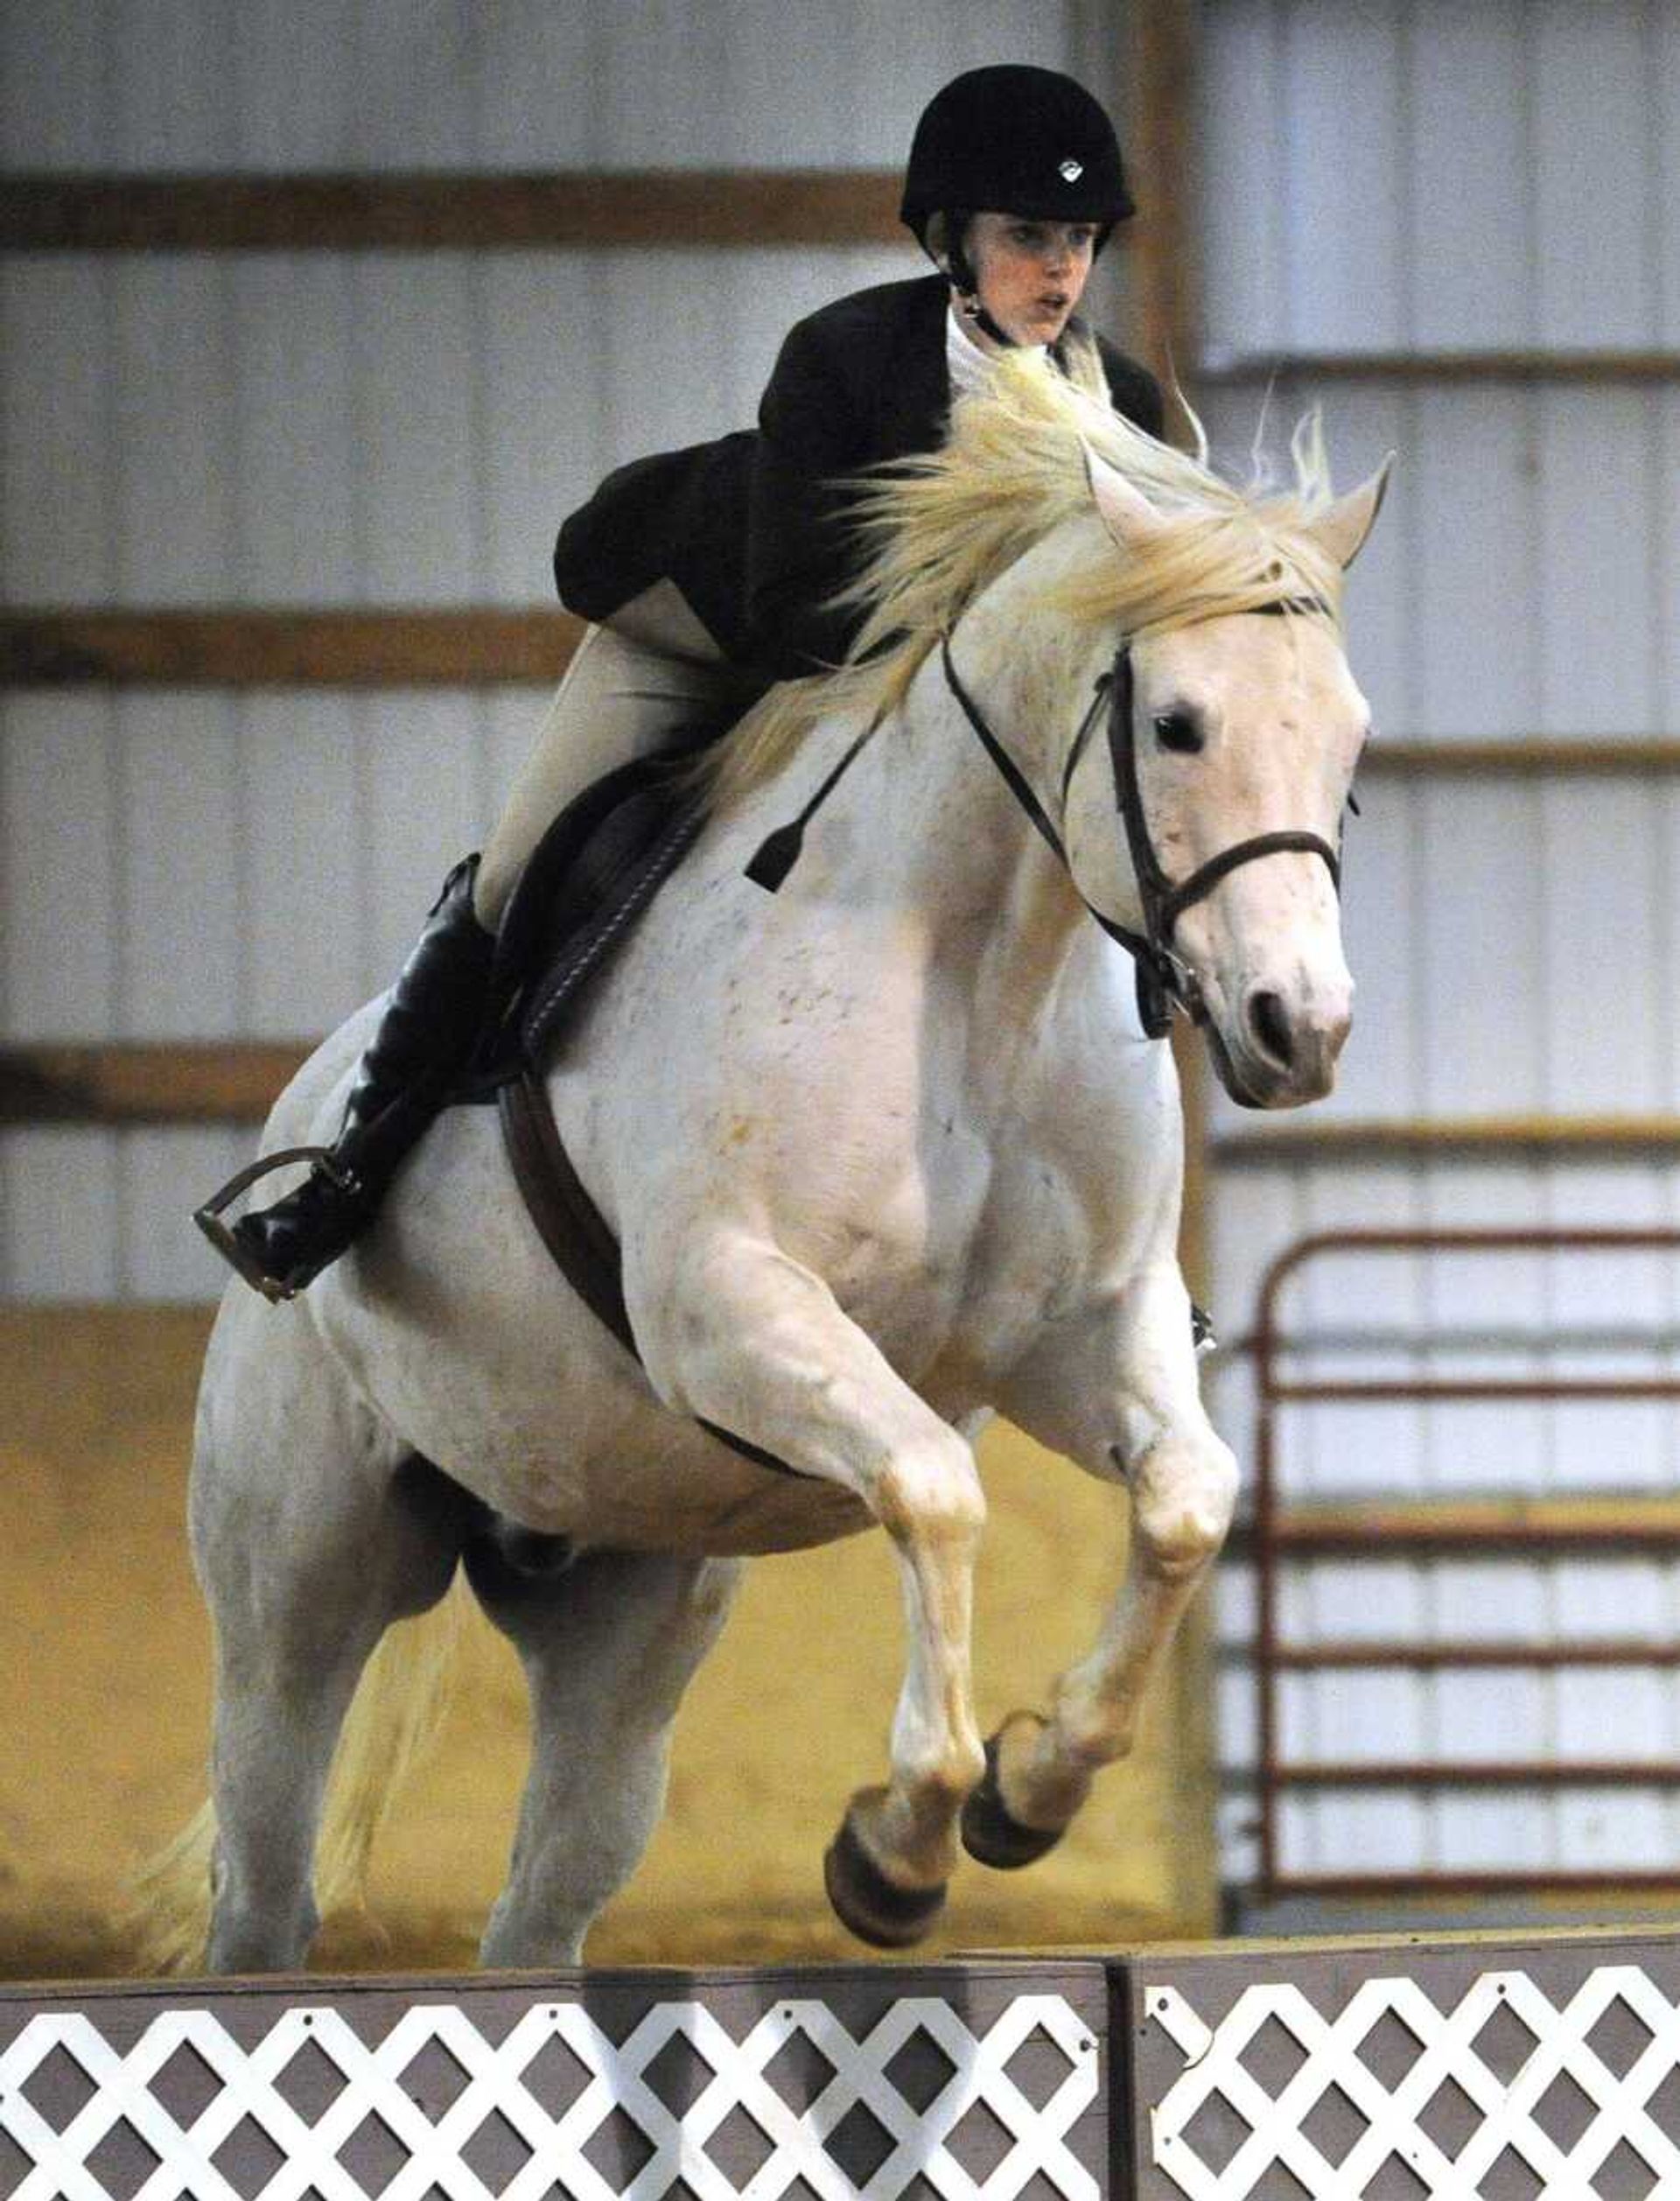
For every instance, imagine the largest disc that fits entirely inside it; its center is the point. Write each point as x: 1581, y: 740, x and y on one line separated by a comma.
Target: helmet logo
x: 1071, y: 171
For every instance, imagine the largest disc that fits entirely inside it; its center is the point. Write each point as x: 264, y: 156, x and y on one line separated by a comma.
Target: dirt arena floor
x: 106, y: 1646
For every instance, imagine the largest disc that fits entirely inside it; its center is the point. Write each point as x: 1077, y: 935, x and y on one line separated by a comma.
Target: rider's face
x: 1031, y: 273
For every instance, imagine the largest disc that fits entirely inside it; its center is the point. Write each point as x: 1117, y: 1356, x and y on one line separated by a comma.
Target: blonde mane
x: 942, y: 527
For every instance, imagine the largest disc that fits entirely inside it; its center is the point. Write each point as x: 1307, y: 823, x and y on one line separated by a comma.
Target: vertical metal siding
x: 1417, y: 174
x: 351, y: 429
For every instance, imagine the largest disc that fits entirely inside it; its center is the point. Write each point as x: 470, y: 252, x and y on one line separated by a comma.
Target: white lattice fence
x: 1500, y: 2088
x: 462, y: 2102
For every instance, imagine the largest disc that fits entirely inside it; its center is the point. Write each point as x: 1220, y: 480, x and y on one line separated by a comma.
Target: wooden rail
x: 1234, y: 369
x: 1538, y: 1527
x: 122, y: 1083
x: 237, y: 649
x: 1423, y: 1138
x: 1529, y: 756
x: 445, y: 212
x: 1480, y: 1655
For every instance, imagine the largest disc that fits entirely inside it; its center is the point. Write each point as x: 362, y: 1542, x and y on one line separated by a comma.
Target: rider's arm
x: 810, y: 434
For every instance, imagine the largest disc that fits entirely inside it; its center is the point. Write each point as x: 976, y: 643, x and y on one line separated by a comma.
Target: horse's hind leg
x: 608, y: 1648
x: 310, y: 1539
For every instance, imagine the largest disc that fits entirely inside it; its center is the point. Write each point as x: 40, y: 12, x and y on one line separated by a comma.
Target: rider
x: 711, y: 572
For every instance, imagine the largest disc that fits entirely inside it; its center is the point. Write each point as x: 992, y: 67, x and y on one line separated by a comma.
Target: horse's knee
x: 1183, y: 1497
x: 929, y: 1494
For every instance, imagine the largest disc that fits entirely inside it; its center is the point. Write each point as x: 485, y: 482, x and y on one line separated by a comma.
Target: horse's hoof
x: 869, y: 1904
x: 993, y: 1835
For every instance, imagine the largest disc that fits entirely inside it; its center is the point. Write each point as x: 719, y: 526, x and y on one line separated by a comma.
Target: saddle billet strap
x: 577, y: 1234
x: 553, y: 999
x: 569, y: 1222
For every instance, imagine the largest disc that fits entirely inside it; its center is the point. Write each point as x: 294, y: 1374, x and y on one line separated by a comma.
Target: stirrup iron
x: 208, y: 1217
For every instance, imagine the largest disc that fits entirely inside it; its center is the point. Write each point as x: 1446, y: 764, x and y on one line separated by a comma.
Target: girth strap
x: 577, y: 1234
x: 569, y: 1222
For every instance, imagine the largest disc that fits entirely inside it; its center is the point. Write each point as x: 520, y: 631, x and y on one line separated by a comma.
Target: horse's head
x: 1232, y: 742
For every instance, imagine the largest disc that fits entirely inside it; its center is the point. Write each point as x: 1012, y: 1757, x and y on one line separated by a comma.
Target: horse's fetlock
x: 1089, y: 1744
x: 960, y: 1769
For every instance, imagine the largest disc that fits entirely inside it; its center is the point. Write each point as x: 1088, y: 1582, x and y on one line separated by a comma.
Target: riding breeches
x: 629, y: 689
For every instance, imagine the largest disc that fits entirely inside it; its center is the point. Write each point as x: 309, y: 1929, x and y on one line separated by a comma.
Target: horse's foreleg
x: 1120, y: 1396
x: 757, y: 1345
x: 608, y: 1648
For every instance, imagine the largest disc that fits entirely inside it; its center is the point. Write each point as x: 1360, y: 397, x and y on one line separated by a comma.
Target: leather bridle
x: 1164, y: 978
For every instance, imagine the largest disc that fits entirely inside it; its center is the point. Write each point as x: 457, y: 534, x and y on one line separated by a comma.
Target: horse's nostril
x: 1270, y: 1026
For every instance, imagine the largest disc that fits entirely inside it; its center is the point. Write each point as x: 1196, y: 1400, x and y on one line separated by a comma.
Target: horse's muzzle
x: 1278, y: 1051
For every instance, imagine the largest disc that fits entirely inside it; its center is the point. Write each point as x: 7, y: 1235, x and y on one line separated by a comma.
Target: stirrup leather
x: 208, y: 1217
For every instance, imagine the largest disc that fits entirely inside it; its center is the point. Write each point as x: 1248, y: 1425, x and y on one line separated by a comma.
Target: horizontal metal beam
x: 1530, y: 756
x: 177, y: 1082
x: 1351, y: 1656
x: 1406, y: 1390
x: 1400, y: 1137
x: 1506, y: 1528
x: 471, y: 647
x: 441, y: 210
x: 1225, y: 369
x: 1490, y: 1773
x: 1413, y: 1881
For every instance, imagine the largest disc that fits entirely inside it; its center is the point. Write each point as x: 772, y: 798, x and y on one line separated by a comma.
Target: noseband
x: 1163, y: 976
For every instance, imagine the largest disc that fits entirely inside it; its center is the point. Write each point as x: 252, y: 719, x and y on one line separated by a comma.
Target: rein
x: 1164, y: 978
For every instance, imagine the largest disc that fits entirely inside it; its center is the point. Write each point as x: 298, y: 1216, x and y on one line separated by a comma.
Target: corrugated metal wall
x: 349, y: 429
x: 1406, y: 176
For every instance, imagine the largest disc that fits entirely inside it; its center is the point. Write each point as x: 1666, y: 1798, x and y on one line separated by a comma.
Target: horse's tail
x: 393, y: 1722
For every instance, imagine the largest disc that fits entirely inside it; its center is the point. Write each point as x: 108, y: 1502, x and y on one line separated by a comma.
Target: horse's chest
x: 959, y: 1266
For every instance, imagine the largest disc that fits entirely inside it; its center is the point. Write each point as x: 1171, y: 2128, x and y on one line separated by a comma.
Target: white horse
x: 885, y: 1155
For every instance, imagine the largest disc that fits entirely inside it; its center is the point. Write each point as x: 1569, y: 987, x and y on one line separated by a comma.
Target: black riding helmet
x: 1020, y: 140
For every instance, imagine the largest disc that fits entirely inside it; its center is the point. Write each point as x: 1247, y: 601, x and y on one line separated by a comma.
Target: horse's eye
x: 1178, y: 731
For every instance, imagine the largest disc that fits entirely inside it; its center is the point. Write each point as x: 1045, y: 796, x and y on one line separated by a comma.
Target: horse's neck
x: 956, y: 843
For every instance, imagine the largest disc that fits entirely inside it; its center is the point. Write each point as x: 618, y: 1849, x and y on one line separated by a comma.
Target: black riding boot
x: 426, y: 1036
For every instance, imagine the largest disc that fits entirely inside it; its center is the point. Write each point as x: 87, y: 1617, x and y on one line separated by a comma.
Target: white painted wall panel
x: 173, y: 499
x: 301, y: 836
x: 60, y: 1214
x: 1594, y: 178
x: 179, y: 963
x: 1478, y: 862
x: 171, y: 64
x: 296, y: 455
x: 58, y: 426
x: 1592, y: 556
x: 1474, y: 461
x: 1347, y: 181
x: 1470, y: 241
x: 62, y: 834
x: 530, y: 84
x: 56, y: 64
x: 1604, y: 873
x: 1449, y: 176
x: 1245, y: 298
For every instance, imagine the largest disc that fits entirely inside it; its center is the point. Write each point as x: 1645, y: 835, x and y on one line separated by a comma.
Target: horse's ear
x: 1127, y: 514
x: 1343, y: 528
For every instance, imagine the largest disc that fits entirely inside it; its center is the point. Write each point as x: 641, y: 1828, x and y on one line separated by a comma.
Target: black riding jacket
x: 751, y: 528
